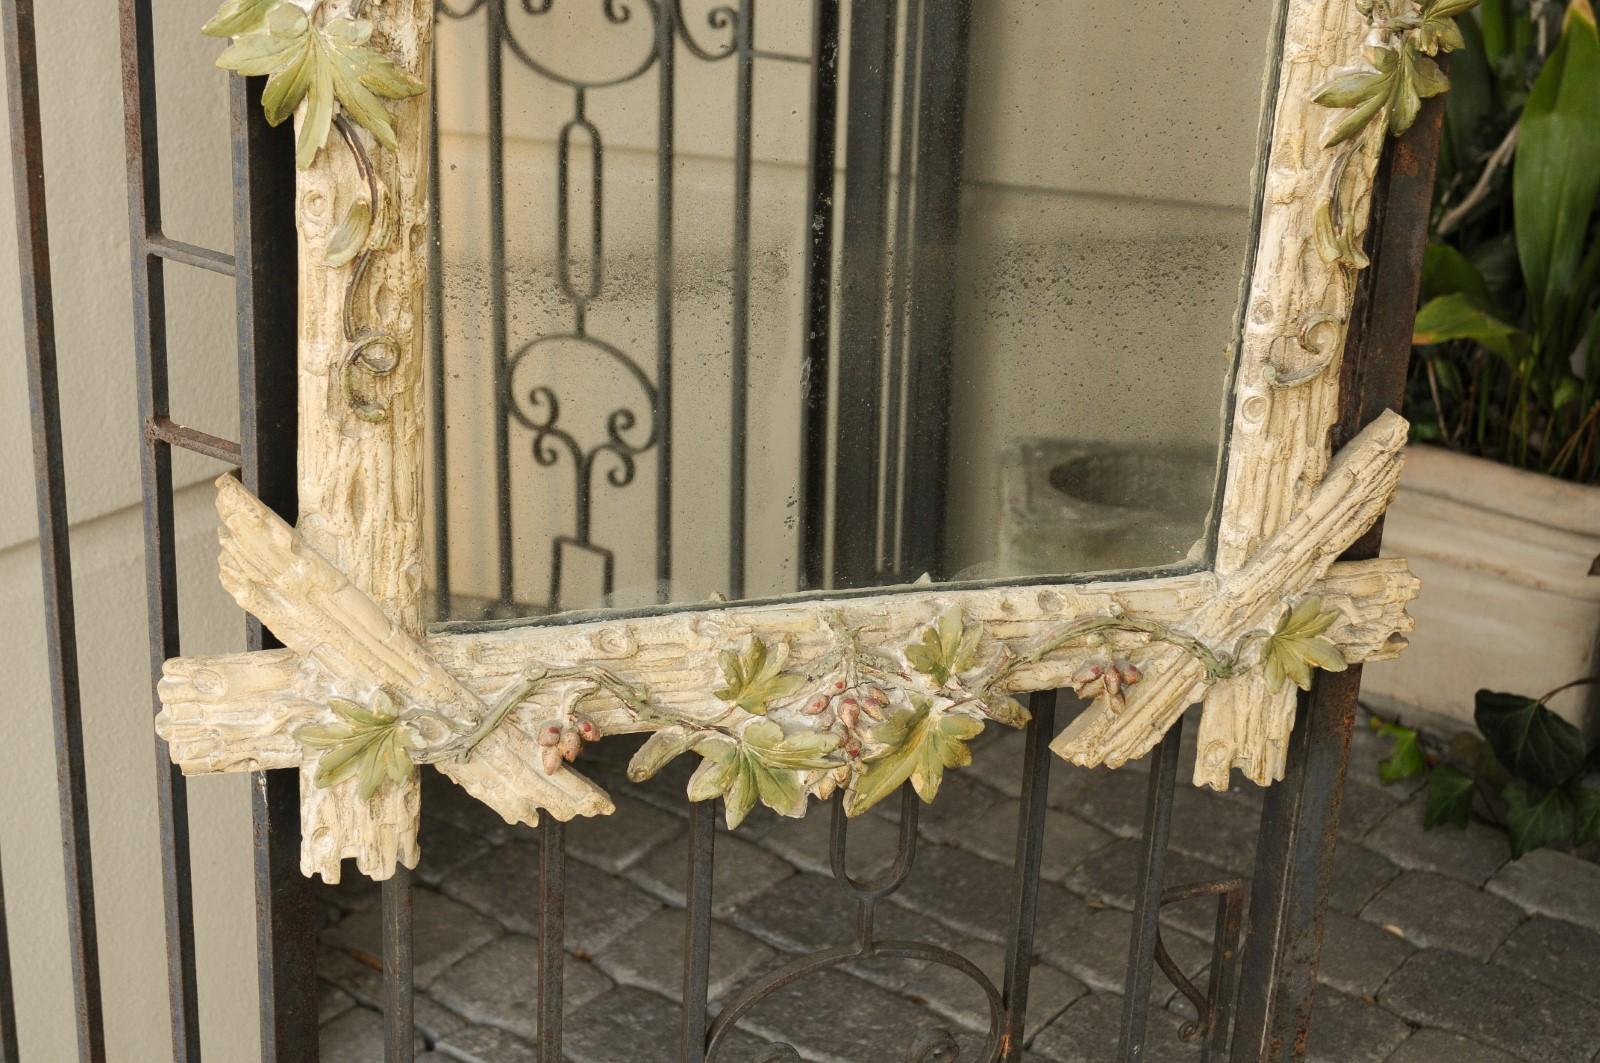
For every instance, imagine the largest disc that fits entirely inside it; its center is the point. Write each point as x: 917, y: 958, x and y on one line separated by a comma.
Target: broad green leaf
x: 1586, y: 803
x: 1298, y: 646
x: 1460, y: 317
x: 1531, y: 741
x: 1537, y: 816
x: 1446, y: 271
x: 1556, y: 174
x: 921, y: 746
x: 1405, y: 759
x: 1449, y: 798
x: 350, y: 238
x: 238, y: 17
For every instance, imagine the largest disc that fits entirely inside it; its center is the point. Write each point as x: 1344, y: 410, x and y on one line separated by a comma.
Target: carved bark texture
x: 360, y: 482
x: 1279, y: 448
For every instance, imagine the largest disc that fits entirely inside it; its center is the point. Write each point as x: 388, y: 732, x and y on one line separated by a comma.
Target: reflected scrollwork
x: 616, y: 12
x: 724, y: 18
x: 447, y: 9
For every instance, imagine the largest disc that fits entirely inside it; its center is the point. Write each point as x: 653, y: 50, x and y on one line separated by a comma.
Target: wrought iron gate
x: 1257, y: 1003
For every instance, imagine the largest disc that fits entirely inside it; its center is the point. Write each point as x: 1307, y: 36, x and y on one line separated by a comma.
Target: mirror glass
x: 736, y: 299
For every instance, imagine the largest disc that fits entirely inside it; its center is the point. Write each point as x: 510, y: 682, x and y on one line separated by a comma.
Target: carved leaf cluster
x: 371, y: 744
x: 1298, y: 646
x: 947, y: 648
x: 764, y: 764
x: 755, y: 677
x: 327, y: 64
x: 918, y: 744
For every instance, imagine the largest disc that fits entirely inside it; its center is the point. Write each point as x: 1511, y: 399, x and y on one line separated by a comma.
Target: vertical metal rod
x: 740, y: 368
x: 44, y: 406
x: 8, y: 1008
x: 820, y: 179
x: 1147, y: 901
x: 1224, y: 975
x: 697, y: 929
x: 265, y: 250
x: 497, y: 294
x: 552, y: 935
x: 1036, y: 758
x: 437, y: 419
x: 666, y: 177
x: 399, y: 1025
x: 862, y: 270
x: 155, y: 466
x: 1300, y: 814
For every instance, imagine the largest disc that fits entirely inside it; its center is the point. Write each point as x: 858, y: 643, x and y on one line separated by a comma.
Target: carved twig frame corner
x: 801, y: 698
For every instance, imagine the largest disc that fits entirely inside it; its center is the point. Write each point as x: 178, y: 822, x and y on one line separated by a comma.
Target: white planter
x: 1508, y: 601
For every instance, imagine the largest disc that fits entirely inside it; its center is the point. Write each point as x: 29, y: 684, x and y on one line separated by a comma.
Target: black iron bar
x: 552, y: 936
x: 1147, y: 899
x: 666, y: 183
x: 190, y: 254
x: 1036, y: 757
x: 820, y: 180
x: 44, y: 407
x: 399, y: 1003
x: 739, y: 370
x: 697, y: 929
x: 499, y: 325
x: 1300, y: 814
x: 265, y: 245
x: 438, y: 421
x: 8, y: 1008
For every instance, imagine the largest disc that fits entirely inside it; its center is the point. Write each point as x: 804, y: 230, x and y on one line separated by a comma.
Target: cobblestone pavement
x: 1438, y: 949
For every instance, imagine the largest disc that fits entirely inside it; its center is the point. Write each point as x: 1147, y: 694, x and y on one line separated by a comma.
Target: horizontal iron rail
x: 161, y: 428
x: 190, y: 254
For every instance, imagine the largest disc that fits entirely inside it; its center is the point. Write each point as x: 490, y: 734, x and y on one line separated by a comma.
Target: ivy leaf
x: 1531, y: 741
x: 919, y: 745
x: 1405, y: 760
x: 1537, y: 816
x: 322, y: 65
x: 755, y: 677
x: 1449, y: 798
x: 1298, y: 646
x: 1586, y: 802
x: 1395, y: 84
x: 238, y: 17
x: 350, y: 238
x: 947, y: 648
x: 369, y: 744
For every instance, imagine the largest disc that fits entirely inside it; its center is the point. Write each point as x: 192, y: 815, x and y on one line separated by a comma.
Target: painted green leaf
x: 1437, y: 30
x: 1337, y: 244
x: 1394, y: 85
x: 1537, y: 816
x: 660, y: 749
x: 350, y: 238
x: 366, y: 743
x: 947, y: 647
x: 1449, y: 798
x: 237, y: 17
x: 1298, y: 646
x: 1405, y: 759
x: 763, y: 765
x: 1531, y: 741
x: 322, y: 65
x: 919, y: 745
x: 755, y: 677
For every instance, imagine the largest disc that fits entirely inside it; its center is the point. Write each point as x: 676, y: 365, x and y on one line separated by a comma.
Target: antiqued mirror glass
x: 737, y: 301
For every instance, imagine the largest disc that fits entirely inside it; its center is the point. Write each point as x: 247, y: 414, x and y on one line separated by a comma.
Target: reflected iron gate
x: 1299, y: 826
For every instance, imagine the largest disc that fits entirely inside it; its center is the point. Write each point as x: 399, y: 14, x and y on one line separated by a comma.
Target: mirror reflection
x: 738, y: 300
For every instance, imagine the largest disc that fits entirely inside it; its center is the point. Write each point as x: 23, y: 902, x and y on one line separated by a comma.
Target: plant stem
x: 1586, y: 681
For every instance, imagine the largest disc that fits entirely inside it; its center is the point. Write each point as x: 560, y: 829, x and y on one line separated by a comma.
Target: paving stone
x: 351, y: 893
x: 1112, y: 877
x: 1347, y: 1029
x: 1096, y: 951
x: 962, y: 891
x: 1089, y: 1031
x: 1435, y: 912
x: 618, y: 841
x: 1470, y: 855
x: 651, y: 956
x: 1436, y: 1046
x: 998, y: 763
x: 1358, y: 875
x: 871, y: 842
x: 445, y: 847
x: 435, y: 1021
x: 1559, y: 885
x: 740, y: 871
x: 953, y: 993
x: 363, y: 980
x: 1068, y: 840
x: 443, y: 932
x: 632, y: 1025
x: 1357, y: 956
x: 354, y: 1037
x: 446, y: 801
x: 503, y: 883
x: 1494, y: 1005
x: 486, y: 1044
x: 1116, y: 803
x: 836, y: 1016
x: 1364, y: 807
x: 1208, y: 826
x: 499, y: 985
x: 962, y: 801
x: 1556, y: 953
x: 332, y: 1002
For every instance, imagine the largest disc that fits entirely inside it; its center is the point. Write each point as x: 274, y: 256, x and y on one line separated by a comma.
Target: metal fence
x: 1257, y: 1003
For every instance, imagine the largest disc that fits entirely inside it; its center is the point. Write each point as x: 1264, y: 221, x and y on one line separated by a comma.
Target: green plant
x: 1523, y: 771
x: 1507, y: 358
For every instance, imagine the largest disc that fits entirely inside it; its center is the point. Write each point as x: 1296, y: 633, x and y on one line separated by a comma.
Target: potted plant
x: 1499, y: 508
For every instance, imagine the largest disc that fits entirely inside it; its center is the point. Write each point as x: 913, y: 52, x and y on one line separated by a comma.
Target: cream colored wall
x: 81, y: 100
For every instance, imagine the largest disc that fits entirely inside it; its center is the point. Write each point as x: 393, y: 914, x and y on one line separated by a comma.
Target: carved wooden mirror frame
x: 804, y: 697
